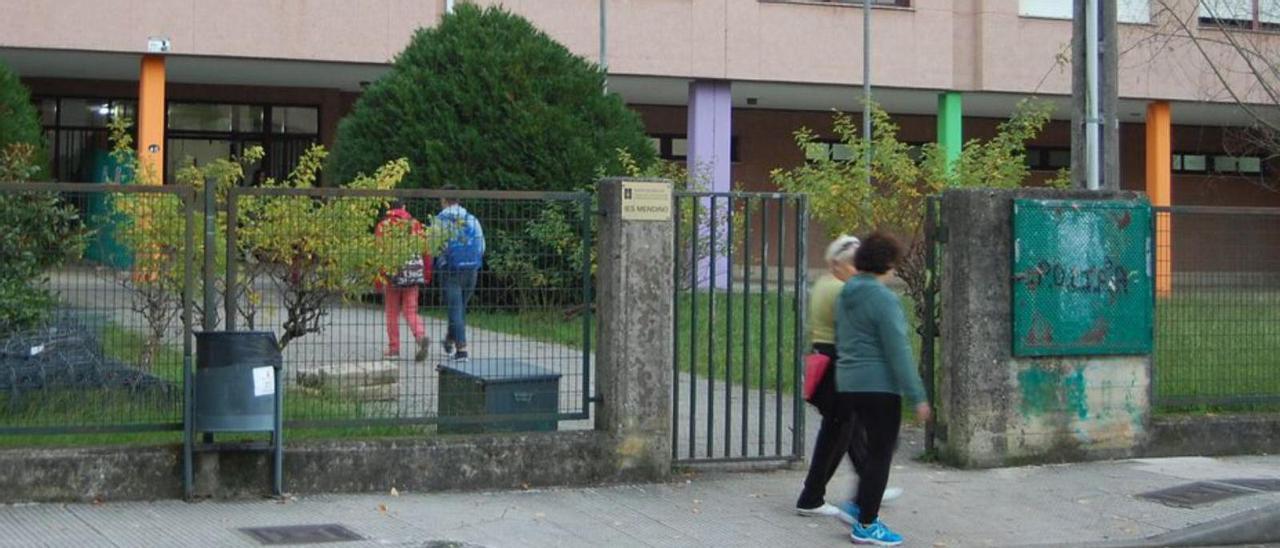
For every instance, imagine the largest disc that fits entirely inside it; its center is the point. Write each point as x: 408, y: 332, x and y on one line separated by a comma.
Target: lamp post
x: 604, y: 42
x: 866, y: 83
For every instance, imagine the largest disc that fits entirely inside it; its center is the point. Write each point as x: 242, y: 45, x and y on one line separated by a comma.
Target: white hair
x: 842, y: 249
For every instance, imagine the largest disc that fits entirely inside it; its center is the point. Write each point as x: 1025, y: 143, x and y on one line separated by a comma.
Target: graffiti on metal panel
x: 1081, y: 282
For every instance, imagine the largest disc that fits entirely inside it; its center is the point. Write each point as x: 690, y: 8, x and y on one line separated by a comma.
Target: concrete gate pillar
x: 999, y: 409
x: 635, y: 310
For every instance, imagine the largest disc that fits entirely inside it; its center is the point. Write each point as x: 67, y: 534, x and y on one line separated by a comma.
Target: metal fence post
x: 232, y: 284
x: 929, y: 334
x: 210, y: 314
x: 188, y: 362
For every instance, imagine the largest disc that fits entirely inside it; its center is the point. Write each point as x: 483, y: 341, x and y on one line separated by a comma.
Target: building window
x: 1190, y: 163
x: 898, y: 3
x: 77, y: 134
x: 1127, y: 11
x: 675, y: 148
x: 1245, y: 14
x: 1220, y: 164
x: 1048, y: 158
x: 202, y: 132
x: 835, y: 151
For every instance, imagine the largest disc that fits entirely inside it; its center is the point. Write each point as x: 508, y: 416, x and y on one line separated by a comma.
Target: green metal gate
x: 740, y: 326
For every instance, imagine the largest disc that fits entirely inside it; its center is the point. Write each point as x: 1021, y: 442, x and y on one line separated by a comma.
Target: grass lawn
x: 550, y: 326
x: 1209, y: 344
x: 113, y: 407
x: 1218, y: 344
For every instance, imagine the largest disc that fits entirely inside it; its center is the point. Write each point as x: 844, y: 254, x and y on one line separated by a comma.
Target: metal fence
x: 99, y: 343
x: 1217, y: 333
x: 112, y: 350
x: 739, y: 326
x: 529, y: 313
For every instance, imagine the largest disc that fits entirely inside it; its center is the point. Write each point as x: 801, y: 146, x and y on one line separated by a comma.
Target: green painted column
x: 950, y: 124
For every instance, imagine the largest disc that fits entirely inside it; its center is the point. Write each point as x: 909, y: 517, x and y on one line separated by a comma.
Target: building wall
x: 969, y: 45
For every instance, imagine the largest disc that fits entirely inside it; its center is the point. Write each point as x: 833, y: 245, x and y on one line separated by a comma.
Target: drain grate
x: 1269, y: 485
x: 301, y: 534
x: 1196, y: 494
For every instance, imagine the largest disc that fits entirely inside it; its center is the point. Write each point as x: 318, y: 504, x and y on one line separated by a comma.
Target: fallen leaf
x: 382, y: 508
x: 697, y: 511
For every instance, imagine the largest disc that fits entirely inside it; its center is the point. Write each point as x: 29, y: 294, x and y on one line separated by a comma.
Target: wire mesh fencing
x: 94, y: 307
x: 471, y: 310
x: 1217, y: 308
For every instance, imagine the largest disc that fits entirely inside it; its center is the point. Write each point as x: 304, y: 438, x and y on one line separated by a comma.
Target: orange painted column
x: 151, y: 109
x: 1159, y: 183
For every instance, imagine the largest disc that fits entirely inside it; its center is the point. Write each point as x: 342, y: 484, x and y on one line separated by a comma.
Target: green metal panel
x: 1082, y: 277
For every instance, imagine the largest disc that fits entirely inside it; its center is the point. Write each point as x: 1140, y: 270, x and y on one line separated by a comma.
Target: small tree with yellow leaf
x: 311, y: 252
x: 318, y: 252
x: 841, y: 199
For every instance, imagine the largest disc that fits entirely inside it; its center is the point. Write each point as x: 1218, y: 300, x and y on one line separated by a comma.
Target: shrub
x: 20, y: 123
x: 487, y: 101
x: 38, y: 231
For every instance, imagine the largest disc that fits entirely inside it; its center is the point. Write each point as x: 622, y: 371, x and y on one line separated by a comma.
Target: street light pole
x: 1093, y: 124
x: 604, y: 43
x: 866, y: 83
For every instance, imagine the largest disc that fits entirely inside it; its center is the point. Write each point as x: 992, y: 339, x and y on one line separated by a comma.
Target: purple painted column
x: 710, y: 144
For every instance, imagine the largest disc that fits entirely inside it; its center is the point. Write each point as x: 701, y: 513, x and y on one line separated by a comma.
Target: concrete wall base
x: 1217, y: 435
x: 409, y: 465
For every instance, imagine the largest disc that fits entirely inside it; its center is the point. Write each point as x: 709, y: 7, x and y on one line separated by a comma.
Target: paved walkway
x: 1045, y: 505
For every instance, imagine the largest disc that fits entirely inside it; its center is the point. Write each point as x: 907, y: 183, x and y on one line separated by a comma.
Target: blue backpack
x: 465, y: 248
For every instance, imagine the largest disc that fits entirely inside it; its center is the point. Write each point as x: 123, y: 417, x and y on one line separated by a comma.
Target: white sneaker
x: 827, y: 510
x: 890, y: 493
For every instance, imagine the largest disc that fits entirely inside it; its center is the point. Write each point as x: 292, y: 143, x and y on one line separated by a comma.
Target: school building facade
x: 722, y: 83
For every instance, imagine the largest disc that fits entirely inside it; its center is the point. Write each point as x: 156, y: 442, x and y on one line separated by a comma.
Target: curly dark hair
x: 878, y: 254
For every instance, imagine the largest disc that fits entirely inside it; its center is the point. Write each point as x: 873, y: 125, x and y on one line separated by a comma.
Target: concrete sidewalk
x: 1049, y: 505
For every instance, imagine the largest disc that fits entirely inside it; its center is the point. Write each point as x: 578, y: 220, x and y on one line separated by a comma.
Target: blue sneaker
x: 876, y: 533
x: 848, y: 512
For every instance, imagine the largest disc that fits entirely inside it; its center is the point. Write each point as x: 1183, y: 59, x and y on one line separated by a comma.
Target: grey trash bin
x: 236, y: 381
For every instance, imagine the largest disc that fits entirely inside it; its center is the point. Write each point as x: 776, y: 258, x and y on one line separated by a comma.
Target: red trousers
x: 397, y: 301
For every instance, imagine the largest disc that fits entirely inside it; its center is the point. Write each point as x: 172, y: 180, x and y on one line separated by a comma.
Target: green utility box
x: 497, y: 395
x: 1082, y: 277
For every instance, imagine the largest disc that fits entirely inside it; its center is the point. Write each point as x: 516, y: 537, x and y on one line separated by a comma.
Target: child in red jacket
x: 400, y: 291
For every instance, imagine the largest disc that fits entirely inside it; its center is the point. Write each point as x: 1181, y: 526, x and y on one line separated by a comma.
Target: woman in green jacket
x: 873, y: 373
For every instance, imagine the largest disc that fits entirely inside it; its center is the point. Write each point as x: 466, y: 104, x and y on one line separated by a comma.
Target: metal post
x: 277, y: 438
x: 866, y: 83
x: 588, y: 315
x: 675, y: 326
x: 801, y: 322
x: 210, y: 316
x: 232, y: 292
x: 188, y: 391
x: 1092, y: 122
x: 604, y: 42
x: 929, y: 337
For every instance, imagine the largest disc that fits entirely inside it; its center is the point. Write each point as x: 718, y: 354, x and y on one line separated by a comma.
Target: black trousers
x: 880, y: 416
x: 838, y: 435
